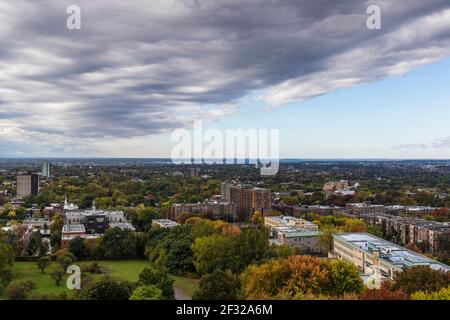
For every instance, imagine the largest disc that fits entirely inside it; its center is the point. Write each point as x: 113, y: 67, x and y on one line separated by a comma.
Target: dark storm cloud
x: 144, y: 67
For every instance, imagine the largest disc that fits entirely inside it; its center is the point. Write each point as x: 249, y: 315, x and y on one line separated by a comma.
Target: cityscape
x: 165, y: 231
x: 224, y: 158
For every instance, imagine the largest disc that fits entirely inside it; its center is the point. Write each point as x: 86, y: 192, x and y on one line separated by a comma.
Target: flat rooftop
x: 285, y: 219
x: 91, y: 212
x: 73, y: 228
x: 294, y: 232
x: 122, y: 225
x: 165, y: 222
x: 389, y: 252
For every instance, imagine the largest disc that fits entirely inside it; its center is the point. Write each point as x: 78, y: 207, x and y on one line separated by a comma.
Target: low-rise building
x: 122, y: 225
x: 164, y: 223
x: 364, y: 208
x: 218, y: 209
x: 429, y: 236
x: 72, y: 231
x: 301, y: 211
x: 300, y: 233
x: 376, y: 258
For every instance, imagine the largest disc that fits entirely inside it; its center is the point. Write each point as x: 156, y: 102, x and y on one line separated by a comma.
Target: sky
x: 136, y: 71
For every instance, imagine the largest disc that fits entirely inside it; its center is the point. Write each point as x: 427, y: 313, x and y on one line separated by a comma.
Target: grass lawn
x: 123, y: 269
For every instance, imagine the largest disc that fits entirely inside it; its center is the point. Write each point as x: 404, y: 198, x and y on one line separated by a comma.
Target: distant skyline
x: 136, y: 71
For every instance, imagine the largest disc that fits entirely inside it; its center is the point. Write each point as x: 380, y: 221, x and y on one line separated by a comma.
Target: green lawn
x: 123, y: 269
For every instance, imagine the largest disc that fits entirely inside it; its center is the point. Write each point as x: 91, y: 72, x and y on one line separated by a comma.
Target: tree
x: 159, y: 278
x: 249, y: 247
x: 6, y: 260
x: 149, y: 292
x: 43, y: 263
x: 65, y: 258
x: 108, y: 289
x: 34, y: 243
x: 78, y: 248
x: 175, y: 253
x: 212, y: 253
x: 257, y: 218
x: 297, y: 277
x: 220, y: 285
x: 143, y: 216
x: 420, y: 278
x: 19, y: 289
x: 112, y: 243
x: 344, y: 278
x: 57, y: 273
x: 443, y: 294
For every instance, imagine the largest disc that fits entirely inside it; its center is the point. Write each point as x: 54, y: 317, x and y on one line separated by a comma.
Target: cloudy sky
x: 137, y: 70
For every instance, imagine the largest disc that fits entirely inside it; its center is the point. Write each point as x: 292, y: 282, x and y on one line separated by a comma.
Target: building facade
x: 27, y: 185
x: 249, y: 199
x: 296, y: 232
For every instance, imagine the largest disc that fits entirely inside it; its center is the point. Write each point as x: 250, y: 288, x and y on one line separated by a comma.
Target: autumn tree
x: 298, y: 276
x: 420, y: 278
x: 257, y: 218
x: 19, y: 289
x: 443, y: 294
x: 149, y: 292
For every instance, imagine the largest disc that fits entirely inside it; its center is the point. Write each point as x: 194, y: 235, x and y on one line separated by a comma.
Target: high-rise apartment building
x: 195, y: 172
x: 27, y: 184
x: 225, y: 191
x: 249, y: 199
x: 46, y: 169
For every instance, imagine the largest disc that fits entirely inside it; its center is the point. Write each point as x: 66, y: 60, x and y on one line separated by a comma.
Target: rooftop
x: 284, y: 220
x: 389, y: 252
x: 73, y: 228
x: 296, y: 232
x: 91, y: 212
x: 166, y: 223
x: 122, y: 225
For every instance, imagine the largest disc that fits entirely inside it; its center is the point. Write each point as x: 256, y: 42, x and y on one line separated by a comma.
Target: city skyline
x: 334, y: 89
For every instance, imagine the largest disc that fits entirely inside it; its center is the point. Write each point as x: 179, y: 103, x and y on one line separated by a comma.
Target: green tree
x: 6, y: 260
x: 344, y: 278
x: 34, y: 243
x: 108, y: 289
x: 149, y: 292
x: 212, y: 253
x: 173, y: 250
x: 78, y: 248
x: 57, y: 273
x: 249, y: 247
x: 43, y: 263
x: 220, y: 285
x: 159, y: 278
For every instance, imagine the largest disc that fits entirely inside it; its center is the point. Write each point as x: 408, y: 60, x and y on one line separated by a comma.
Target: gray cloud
x: 144, y: 67
x: 442, y: 143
